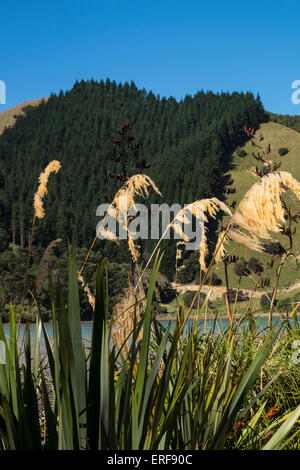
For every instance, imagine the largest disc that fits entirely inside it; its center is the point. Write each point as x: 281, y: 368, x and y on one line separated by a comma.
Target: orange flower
x: 272, y: 412
x: 239, y: 424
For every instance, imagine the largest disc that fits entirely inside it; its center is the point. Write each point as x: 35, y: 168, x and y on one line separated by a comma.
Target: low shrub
x: 255, y: 266
x: 189, y: 296
x: 241, y: 296
x: 241, y: 269
x: 283, y: 151
x: 265, y: 300
x: 241, y: 153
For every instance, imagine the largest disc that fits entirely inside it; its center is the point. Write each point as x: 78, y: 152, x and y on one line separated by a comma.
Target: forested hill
x: 187, y: 144
x: 293, y: 122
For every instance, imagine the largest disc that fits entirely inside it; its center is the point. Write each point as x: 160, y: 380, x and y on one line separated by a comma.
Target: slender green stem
x: 28, y: 261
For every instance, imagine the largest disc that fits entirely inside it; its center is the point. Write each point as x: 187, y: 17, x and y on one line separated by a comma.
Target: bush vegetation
x: 242, y: 153
x: 283, y: 151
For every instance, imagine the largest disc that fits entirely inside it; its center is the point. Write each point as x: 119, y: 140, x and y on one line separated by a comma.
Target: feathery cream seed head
x: 260, y: 213
x: 261, y: 210
x: 220, y: 250
x: 53, y: 167
x: 86, y: 289
x: 199, y: 209
x: 128, y: 310
x: 136, y: 185
x: 38, y: 206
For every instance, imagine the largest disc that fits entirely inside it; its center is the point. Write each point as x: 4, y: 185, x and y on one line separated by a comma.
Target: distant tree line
x: 293, y: 122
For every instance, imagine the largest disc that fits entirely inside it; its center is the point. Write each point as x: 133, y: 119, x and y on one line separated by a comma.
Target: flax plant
x: 169, y: 391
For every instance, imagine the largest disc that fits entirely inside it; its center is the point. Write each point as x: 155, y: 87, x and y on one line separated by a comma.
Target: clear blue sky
x: 171, y: 47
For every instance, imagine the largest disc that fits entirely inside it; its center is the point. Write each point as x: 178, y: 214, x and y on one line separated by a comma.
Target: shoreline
x: 171, y: 317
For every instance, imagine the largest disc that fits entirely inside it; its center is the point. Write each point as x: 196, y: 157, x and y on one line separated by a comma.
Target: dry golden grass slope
x: 7, y: 118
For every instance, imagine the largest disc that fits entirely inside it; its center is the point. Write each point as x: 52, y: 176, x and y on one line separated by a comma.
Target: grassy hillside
x: 7, y: 118
x: 278, y: 136
x: 242, y: 172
